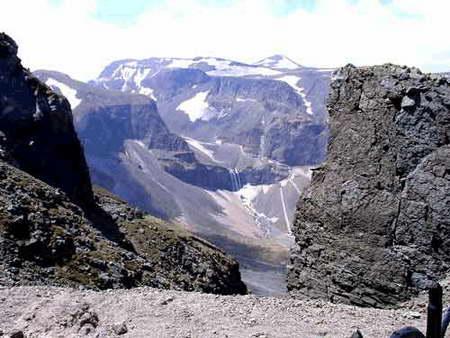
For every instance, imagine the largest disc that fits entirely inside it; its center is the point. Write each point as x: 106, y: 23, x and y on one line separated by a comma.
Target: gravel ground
x: 146, y: 312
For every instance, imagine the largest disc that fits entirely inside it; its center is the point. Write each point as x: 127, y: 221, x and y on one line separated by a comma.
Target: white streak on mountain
x: 65, y: 90
x: 293, y: 81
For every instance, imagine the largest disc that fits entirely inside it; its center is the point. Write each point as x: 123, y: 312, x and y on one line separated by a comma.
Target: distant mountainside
x: 269, y: 111
x: 226, y: 149
x: 56, y: 230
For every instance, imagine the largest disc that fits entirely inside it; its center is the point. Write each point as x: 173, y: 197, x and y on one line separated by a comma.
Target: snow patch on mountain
x: 241, y: 99
x: 196, y: 107
x: 286, y: 217
x: 219, y: 64
x: 250, y: 192
x: 293, y: 81
x: 68, y: 92
x: 243, y: 70
x: 147, y: 92
x: 180, y: 63
x: 197, y: 145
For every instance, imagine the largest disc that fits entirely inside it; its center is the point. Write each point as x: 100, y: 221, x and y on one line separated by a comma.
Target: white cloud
x: 69, y: 38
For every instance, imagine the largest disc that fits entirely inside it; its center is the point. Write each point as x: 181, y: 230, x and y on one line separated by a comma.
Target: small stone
x: 408, y: 102
x: 17, y: 334
x: 87, y: 329
x: 260, y: 335
x: 412, y: 315
x: 357, y: 334
x: 120, y: 329
x: 167, y: 300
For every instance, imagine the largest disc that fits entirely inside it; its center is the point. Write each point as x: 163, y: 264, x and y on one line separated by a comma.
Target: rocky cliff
x: 53, y: 230
x: 36, y: 129
x: 375, y: 225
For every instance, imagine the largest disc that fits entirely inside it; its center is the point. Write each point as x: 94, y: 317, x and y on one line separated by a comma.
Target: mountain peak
x: 278, y: 61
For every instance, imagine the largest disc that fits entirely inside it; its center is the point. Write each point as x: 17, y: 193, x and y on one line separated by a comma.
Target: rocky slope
x: 374, y: 227
x: 58, y: 232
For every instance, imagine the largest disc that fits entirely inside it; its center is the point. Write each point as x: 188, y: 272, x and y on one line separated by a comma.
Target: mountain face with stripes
x: 222, y: 147
x: 269, y: 108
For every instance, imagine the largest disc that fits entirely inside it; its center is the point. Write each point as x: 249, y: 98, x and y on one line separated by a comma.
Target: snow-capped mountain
x: 269, y: 111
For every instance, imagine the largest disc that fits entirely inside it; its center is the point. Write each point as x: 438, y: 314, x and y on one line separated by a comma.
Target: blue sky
x: 122, y: 12
x: 126, y: 12
x: 82, y: 36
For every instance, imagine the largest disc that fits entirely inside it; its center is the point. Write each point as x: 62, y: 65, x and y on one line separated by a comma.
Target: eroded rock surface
x: 375, y: 225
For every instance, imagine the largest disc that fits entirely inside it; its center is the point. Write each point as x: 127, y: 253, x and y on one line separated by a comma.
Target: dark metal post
x: 434, y: 311
x: 445, y: 322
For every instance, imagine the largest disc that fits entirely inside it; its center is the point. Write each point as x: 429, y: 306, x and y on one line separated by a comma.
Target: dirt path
x: 146, y: 312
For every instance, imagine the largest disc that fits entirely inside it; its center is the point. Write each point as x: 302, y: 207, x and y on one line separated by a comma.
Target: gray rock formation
x: 375, y: 225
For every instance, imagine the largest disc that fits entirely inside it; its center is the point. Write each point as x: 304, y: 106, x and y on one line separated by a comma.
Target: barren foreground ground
x: 146, y: 312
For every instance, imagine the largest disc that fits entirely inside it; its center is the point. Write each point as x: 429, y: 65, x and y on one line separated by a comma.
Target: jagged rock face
x: 36, y: 128
x: 375, y: 225
x: 105, y: 128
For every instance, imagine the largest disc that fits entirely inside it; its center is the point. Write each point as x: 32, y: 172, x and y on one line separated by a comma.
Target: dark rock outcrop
x: 36, y: 129
x: 374, y: 227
